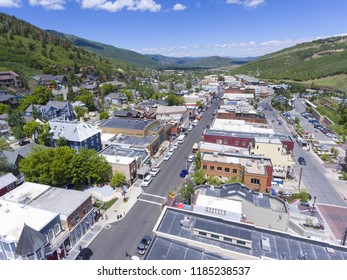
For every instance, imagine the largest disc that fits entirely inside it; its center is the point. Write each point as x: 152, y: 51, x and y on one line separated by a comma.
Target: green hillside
x: 303, y: 62
x: 29, y: 50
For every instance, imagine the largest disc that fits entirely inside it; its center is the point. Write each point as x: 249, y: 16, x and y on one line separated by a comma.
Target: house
x: 78, y: 104
x: 8, y: 99
x: 77, y: 135
x: 127, y: 114
x: 52, y: 110
x: 115, y: 98
x: 4, y: 129
x: 47, y: 80
x: 48, y: 221
x: 7, y: 183
x: 10, y: 79
x: 247, y: 115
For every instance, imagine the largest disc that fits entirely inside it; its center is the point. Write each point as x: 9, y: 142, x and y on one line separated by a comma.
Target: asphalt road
x: 313, y: 177
x: 123, y: 237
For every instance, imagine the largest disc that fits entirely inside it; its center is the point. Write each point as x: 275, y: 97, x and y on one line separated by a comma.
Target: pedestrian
x: 106, y: 217
x: 124, y: 213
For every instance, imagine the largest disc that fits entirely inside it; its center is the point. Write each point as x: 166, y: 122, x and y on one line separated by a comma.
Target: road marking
x: 157, y: 203
x: 149, y: 194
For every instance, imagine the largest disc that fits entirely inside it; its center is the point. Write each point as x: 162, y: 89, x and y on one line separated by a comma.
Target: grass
x: 337, y: 81
x: 105, y: 205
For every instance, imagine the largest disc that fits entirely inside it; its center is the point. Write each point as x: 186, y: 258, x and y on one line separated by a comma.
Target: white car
x: 190, y: 128
x: 176, y: 146
x: 172, y: 149
x: 154, y: 171
x: 167, y: 156
x: 146, y: 181
x: 190, y: 158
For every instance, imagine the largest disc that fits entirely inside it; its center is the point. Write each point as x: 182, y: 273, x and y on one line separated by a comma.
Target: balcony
x: 56, y: 242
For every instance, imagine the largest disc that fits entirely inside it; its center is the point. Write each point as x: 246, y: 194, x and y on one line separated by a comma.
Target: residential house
x: 4, y: 129
x: 7, y: 183
x: 47, y: 80
x: 57, y: 219
x: 52, y: 110
x: 127, y: 114
x: 115, y: 98
x: 10, y: 79
x: 77, y: 135
x: 8, y: 99
x: 177, y: 116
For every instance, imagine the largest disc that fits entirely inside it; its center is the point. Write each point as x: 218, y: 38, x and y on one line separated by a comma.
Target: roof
x: 134, y: 124
x: 56, y: 200
x: 24, y: 151
x: 119, y: 151
x: 30, y: 241
x: 7, y: 179
x: 6, y: 97
x: 171, y: 109
x: 73, y: 131
x: 124, y: 113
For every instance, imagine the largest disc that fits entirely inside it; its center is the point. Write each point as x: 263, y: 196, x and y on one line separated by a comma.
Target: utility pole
x: 300, y: 175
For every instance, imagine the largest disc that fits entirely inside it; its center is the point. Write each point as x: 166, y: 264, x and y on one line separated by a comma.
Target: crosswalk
x: 149, y: 196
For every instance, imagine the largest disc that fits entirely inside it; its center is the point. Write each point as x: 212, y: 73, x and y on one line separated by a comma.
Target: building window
x: 50, y: 234
x: 234, y: 171
x: 236, y: 143
x: 57, y: 229
x: 227, y: 169
x: 219, y: 141
x: 240, y: 242
x: 202, y: 233
x: 214, y: 236
x: 204, y: 167
x: 279, y: 149
x: 227, y: 239
x: 257, y: 147
x: 39, y: 254
x: 243, y: 143
x: 211, y: 168
x: 77, y: 218
x: 84, y: 211
x: 219, y: 169
x: 225, y: 141
x: 255, y: 181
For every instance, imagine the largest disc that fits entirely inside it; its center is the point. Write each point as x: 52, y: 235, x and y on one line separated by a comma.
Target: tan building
x: 254, y: 172
x: 272, y: 147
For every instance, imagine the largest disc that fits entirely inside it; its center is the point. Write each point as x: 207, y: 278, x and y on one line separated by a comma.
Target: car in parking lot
x: 305, y: 204
x: 190, y: 158
x: 84, y: 254
x: 143, y: 245
x: 146, y: 181
x: 172, y: 149
x: 302, y: 161
x: 176, y: 145
x: 167, y: 156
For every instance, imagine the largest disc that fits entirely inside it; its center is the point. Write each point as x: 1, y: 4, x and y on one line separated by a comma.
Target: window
x: 212, y: 168
x: 204, y: 167
x: 50, y: 234
x: 243, y: 143
x: 279, y: 149
x: 227, y: 239
x: 219, y: 169
x: 57, y: 229
x: 257, y: 147
x: 84, y: 211
x: 236, y: 143
x: 214, y: 236
x: 255, y: 181
x: 202, y: 233
x: 219, y: 141
x: 227, y: 169
x: 39, y: 254
x: 234, y: 171
x: 225, y: 141
x: 77, y: 218
x: 240, y: 242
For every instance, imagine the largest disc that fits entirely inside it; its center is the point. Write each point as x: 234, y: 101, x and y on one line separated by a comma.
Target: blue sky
x: 236, y: 28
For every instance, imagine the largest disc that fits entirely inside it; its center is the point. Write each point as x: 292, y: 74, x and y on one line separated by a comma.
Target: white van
x: 181, y: 138
x: 146, y: 181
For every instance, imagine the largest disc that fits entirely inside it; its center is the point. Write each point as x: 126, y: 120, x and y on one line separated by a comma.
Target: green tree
x: 80, y: 111
x: 200, y: 104
x: 118, y: 179
x: 60, y: 171
x: 61, y: 141
x: 87, y: 98
x: 189, y: 85
x: 14, y: 118
x: 214, y: 180
x: 18, y: 132
x: 335, y: 152
x: 199, y: 177
x: 4, y: 165
x: 197, y: 160
x: 30, y: 128
x: 174, y: 100
x: 103, y: 115
x: 44, y: 135
x: 187, y: 191
x: 3, y: 108
x: 297, y: 120
x: 4, y: 145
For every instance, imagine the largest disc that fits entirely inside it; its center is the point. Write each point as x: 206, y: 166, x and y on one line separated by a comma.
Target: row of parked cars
x: 317, y: 125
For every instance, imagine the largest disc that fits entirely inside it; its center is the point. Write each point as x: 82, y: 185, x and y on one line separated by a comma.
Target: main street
x: 313, y: 173
x: 123, y: 237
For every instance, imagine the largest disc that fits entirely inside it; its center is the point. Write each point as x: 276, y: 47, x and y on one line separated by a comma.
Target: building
x: 71, y: 212
x: 52, y: 110
x: 4, y: 129
x: 125, y: 160
x: 7, y: 183
x: 131, y: 114
x: 251, y: 116
x: 77, y: 135
x: 254, y: 172
x: 10, y: 79
x: 8, y: 99
x: 47, y: 80
x: 115, y: 98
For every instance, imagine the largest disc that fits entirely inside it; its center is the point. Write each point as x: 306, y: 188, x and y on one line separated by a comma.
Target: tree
x: 61, y: 141
x: 335, y: 152
x: 214, y: 180
x: 30, y: 128
x: 103, y: 115
x: 198, y: 160
x: 4, y: 145
x: 297, y: 120
x: 187, y: 191
x: 18, y: 132
x: 4, y: 165
x: 200, y: 104
x: 44, y: 134
x: 174, y: 100
x: 128, y: 94
x: 3, y: 108
x: 87, y: 98
x: 199, y: 177
x: 189, y: 85
x: 80, y: 111
x: 14, y: 118
x: 118, y: 178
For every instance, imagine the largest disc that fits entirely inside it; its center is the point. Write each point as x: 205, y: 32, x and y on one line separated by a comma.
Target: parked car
x: 146, y: 181
x: 167, y: 156
x: 190, y: 158
x: 184, y: 173
x: 176, y: 145
x: 84, y: 254
x: 172, y: 149
x: 302, y: 161
x: 23, y: 142
x: 305, y: 204
x: 143, y: 245
x: 154, y: 171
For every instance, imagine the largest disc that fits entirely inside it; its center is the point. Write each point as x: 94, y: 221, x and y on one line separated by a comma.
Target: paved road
x: 123, y: 237
x: 313, y: 174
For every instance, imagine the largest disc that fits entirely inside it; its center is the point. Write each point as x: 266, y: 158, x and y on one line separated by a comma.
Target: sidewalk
x: 114, y: 214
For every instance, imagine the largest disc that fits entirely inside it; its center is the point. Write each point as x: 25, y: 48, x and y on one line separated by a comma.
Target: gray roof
x: 12, y: 156
x: 29, y: 241
x: 7, y: 179
x: 116, y: 95
x: 55, y: 104
x: 5, y: 97
x: 134, y: 124
x: 118, y: 150
x: 124, y: 113
x: 72, y: 131
x: 61, y: 201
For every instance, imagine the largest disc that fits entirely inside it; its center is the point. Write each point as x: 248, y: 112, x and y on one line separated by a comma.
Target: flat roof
x: 208, y: 147
x: 127, y: 123
x: 223, y: 124
x: 119, y: 151
x: 13, y: 215
x: 269, y: 140
x: 133, y: 141
x: 57, y: 200
x: 282, y: 245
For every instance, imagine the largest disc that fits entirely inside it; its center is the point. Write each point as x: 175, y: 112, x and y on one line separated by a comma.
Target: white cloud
x: 179, y: 7
x: 247, y: 3
x: 10, y: 3
x: 49, y: 4
x: 117, y: 5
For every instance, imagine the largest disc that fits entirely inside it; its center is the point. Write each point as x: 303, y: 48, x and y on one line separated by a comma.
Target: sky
x: 196, y: 28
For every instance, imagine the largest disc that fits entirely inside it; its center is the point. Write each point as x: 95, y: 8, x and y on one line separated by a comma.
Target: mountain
x: 310, y: 61
x: 29, y: 50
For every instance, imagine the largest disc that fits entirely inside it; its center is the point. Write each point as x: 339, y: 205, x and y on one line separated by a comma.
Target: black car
x: 302, y: 161
x: 23, y: 142
x: 142, y: 247
x: 84, y: 254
